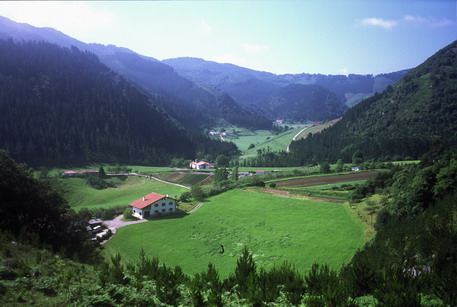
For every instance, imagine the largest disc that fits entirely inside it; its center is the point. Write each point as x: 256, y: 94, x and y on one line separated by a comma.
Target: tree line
x: 61, y: 106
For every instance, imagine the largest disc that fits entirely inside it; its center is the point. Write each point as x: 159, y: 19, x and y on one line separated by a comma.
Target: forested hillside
x: 62, y: 106
x: 192, y: 105
x: 305, y: 102
x: 404, y: 121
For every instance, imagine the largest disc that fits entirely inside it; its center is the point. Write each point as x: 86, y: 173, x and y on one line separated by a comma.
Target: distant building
x: 153, y: 204
x: 70, y: 174
x: 214, y: 133
x: 279, y: 121
x: 355, y: 169
x: 260, y: 172
x: 200, y: 165
x: 88, y: 172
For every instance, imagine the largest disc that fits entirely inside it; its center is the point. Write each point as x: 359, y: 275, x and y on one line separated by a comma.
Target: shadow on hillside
x: 178, y: 214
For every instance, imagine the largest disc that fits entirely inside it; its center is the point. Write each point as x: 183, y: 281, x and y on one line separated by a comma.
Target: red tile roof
x: 147, y: 200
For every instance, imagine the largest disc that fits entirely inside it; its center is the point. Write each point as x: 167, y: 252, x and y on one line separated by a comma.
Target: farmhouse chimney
x: 144, y: 198
x: 167, y: 195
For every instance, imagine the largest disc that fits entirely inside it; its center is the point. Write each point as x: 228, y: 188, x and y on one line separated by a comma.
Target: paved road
x: 118, y: 223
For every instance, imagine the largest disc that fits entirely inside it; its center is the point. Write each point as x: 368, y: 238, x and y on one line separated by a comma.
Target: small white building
x: 153, y: 204
x: 201, y: 165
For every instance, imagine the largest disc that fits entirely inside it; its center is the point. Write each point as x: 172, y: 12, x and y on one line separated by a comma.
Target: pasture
x: 274, y: 228
x: 187, y: 178
x: 80, y: 195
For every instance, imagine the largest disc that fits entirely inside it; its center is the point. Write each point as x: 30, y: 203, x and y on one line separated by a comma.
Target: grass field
x: 80, y: 195
x: 181, y: 177
x: 275, y: 143
x: 274, y: 228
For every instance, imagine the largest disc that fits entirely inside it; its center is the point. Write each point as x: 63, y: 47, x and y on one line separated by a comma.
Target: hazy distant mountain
x: 63, y: 106
x: 251, y: 87
x: 193, y: 106
x: 404, y: 121
x: 305, y: 102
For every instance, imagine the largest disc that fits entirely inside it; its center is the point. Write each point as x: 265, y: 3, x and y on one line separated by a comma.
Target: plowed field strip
x: 321, y: 180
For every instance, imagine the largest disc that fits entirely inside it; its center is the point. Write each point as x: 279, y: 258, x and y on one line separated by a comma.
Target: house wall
x: 161, y: 207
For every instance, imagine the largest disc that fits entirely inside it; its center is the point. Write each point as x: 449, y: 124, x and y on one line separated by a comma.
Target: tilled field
x: 321, y: 180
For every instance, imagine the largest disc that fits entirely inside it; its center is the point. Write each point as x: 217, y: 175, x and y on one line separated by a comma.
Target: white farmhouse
x: 200, y: 165
x: 153, y: 204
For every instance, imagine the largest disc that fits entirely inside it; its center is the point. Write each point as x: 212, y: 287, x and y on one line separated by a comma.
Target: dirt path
x: 196, y: 208
x: 295, y: 137
x: 168, y: 182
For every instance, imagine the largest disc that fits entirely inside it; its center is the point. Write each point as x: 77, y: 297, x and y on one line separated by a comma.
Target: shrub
x: 128, y: 213
x: 272, y: 185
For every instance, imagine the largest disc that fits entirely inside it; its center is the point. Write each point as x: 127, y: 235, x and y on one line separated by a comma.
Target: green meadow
x: 128, y: 188
x: 274, y: 228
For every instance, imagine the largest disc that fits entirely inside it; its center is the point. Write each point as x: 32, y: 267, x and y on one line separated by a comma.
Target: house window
x: 163, y: 210
x: 171, y: 209
x: 156, y: 205
x: 170, y: 203
x: 156, y: 211
x: 163, y: 205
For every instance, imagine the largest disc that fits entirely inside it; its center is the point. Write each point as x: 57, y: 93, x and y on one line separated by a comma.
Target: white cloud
x: 379, y: 22
x: 430, y: 21
x: 230, y: 58
x: 205, y: 27
x: 253, y: 48
x: 63, y: 15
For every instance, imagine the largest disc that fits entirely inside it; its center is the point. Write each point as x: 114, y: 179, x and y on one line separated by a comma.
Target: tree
x: 325, y: 168
x: 357, y: 157
x: 128, y: 213
x: 235, y: 173
x: 339, y: 166
x: 101, y: 172
x: 251, y: 146
x: 221, y: 175
x: 222, y: 161
x: 197, y: 193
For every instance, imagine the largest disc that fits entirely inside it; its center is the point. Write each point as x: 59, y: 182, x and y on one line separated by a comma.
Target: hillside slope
x: 251, y: 88
x: 305, y: 102
x: 60, y: 105
x: 193, y: 106
x: 404, y: 121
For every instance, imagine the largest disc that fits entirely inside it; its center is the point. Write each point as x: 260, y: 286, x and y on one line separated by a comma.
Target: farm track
x: 321, y: 180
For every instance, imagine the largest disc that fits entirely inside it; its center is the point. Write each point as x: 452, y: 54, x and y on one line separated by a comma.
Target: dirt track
x: 321, y: 180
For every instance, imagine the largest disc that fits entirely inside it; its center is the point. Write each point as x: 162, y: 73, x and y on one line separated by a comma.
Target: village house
x: 70, y: 174
x: 153, y: 204
x: 89, y: 172
x: 200, y: 165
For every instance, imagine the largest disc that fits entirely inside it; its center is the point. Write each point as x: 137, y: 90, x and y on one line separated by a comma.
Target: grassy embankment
x: 80, y: 195
x: 274, y: 228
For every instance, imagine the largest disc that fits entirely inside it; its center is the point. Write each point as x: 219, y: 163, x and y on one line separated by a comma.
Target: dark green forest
x: 404, y: 121
x: 61, y: 106
x: 412, y: 261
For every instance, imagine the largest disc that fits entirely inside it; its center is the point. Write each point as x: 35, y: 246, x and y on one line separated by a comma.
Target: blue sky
x: 329, y: 37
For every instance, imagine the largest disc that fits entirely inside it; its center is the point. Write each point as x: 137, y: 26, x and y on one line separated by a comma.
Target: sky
x: 328, y: 37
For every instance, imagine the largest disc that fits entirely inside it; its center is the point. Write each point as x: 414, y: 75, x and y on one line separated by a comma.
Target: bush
x: 272, y: 185
x: 128, y: 213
